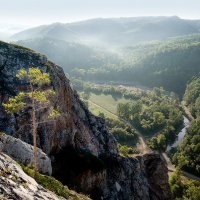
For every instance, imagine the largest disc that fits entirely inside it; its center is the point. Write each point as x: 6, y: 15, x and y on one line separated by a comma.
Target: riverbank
x: 186, y: 111
x: 180, y: 135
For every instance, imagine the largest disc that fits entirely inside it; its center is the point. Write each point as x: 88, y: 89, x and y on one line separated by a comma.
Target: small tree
x: 37, y: 96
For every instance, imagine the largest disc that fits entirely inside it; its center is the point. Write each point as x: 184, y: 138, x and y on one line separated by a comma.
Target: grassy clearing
x: 107, y: 101
x: 96, y: 110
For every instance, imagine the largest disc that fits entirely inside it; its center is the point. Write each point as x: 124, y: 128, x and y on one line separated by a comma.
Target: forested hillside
x: 168, y: 63
x: 71, y: 55
x: 154, y: 51
x: 114, y: 31
x: 188, y: 154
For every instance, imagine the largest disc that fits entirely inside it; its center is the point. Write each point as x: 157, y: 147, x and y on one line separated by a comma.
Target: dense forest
x: 188, y: 153
x: 169, y: 64
x: 155, y: 115
x: 157, y: 52
x: 184, y: 189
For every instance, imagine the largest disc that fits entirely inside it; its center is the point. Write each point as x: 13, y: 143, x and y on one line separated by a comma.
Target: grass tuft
x: 48, y: 182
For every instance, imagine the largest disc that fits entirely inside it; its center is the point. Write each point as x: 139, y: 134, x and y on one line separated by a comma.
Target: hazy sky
x: 35, y: 12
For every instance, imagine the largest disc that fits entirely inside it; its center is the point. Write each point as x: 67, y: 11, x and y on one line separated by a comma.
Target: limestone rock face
x: 141, y: 178
x: 15, y: 184
x: 84, y: 154
x: 23, y: 152
x: 76, y: 127
x: 156, y: 172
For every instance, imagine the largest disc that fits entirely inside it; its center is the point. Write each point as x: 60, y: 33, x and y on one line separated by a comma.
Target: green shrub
x: 128, y: 151
x: 124, y: 150
x: 48, y: 182
x: 183, y: 188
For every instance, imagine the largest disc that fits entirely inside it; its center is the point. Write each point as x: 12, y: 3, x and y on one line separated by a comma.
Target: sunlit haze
x: 36, y: 12
x: 100, y: 96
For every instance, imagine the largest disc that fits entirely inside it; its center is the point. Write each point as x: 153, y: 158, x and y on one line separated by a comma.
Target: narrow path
x: 170, y: 166
x: 190, y: 176
x: 99, y: 106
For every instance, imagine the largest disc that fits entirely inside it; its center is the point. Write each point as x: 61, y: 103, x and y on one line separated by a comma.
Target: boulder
x: 15, y: 184
x: 23, y: 153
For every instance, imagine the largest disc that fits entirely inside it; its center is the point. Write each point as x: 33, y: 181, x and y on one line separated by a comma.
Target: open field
x: 107, y: 101
x: 97, y: 109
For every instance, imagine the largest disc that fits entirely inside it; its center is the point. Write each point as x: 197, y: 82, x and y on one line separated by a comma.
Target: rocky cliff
x: 84, y: 154
x: 16, y: 185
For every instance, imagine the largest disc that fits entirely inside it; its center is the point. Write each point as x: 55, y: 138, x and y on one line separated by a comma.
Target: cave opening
x: 70, y: 164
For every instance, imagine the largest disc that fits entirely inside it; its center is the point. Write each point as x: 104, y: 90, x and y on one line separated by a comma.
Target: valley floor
x: 107, y: 105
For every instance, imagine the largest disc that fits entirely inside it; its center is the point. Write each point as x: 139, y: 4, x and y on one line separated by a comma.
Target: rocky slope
x: 84, y: 154
x: 16, y: 185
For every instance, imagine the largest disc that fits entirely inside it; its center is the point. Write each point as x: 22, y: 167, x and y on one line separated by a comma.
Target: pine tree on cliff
x: 37, y: 97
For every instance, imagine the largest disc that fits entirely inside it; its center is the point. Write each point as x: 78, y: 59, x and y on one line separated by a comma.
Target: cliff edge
x: 83, y: 153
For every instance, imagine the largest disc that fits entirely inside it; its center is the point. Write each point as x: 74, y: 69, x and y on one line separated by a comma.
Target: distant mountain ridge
x: 115, y: 31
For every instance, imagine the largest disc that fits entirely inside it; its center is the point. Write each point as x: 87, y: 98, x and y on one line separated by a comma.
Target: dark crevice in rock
x: 69, y: 164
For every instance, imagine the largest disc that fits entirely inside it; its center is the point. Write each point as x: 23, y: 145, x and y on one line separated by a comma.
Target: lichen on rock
x: 15, y: 184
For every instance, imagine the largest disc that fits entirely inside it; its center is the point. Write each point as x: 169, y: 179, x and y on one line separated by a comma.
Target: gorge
x: 83, y: 153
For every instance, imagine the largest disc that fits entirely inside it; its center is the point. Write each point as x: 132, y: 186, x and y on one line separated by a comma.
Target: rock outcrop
x: 15, y: 184
x: 141, y: 178
x: 23, y: 153
x: 77, y: 127
x: 84, y: 154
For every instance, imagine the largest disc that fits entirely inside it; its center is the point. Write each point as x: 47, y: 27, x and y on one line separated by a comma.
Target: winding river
x: 180, y: 135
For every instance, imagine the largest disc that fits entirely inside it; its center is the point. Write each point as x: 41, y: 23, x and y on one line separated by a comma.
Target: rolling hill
x: 71, y: 55
x: 114, y: 31
x: 151, y: 51
x: 169, y: 63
